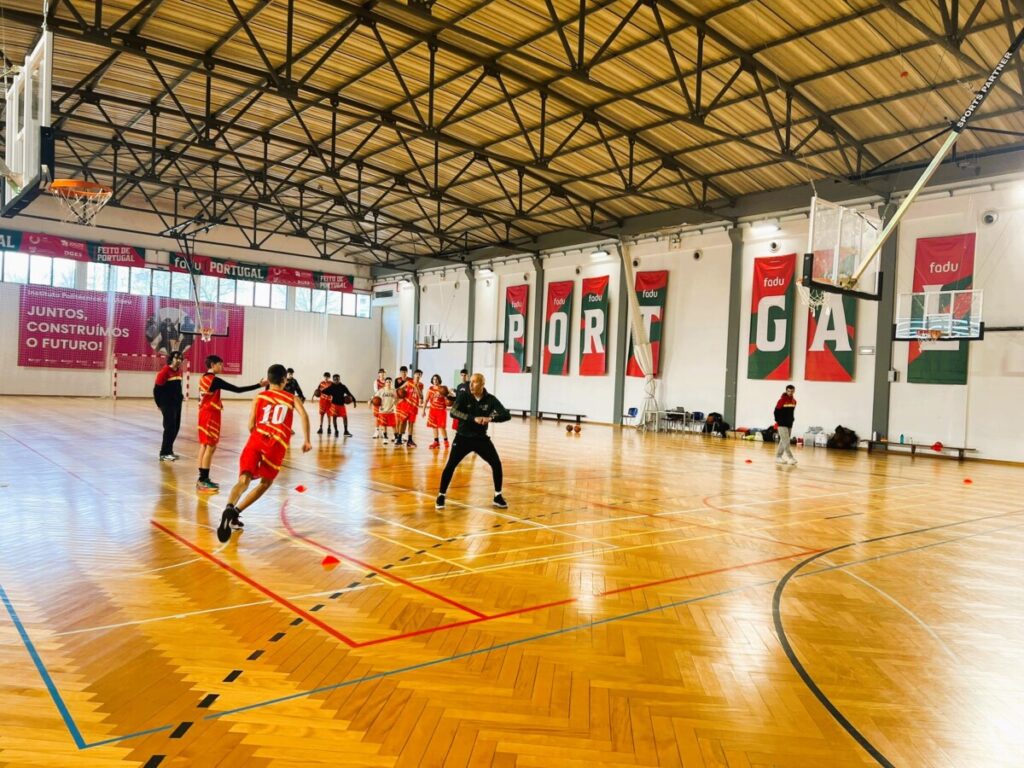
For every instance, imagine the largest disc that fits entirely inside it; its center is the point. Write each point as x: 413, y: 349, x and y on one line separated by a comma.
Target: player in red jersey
x: 270, y: 430
x: 438, y: 413
x: 410, y: 397
x: 324, y: 402
x: 378, y: 384
x: 210, y: 407
x: 340, y: 398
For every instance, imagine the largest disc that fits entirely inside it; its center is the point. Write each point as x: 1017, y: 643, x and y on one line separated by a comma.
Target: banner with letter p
x: 558, y: 313
x: 769, y: 353
x: 514, y: 358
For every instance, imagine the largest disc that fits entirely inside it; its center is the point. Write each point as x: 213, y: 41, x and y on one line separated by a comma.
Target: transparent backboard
x: 28, y: 154
x: 428, y: 335
x: 932, y: 316
x: 837, y: 242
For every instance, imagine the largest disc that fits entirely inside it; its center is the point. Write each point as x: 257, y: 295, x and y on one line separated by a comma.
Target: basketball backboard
x: 837, y: 241
x: 933, y: 316
x: 29, y: 153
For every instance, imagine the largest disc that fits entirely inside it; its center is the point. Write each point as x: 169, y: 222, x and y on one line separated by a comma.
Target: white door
x: 390, y: 343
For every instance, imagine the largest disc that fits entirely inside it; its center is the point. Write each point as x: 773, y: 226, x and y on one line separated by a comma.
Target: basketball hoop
x: 206, y: 333
x: 80, y: 201
x: 812, y: 297
x: 926, y: 337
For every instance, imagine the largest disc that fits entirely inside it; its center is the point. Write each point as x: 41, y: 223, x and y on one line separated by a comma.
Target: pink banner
x: 65, y: 328
x: 50, y: 245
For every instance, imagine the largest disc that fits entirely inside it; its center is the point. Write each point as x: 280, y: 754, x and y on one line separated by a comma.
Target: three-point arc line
x: 477, y: 616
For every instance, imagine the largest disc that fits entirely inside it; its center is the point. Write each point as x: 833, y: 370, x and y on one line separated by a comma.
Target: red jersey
x: 435, y: 399
x: 209, y: 400
x: 274, y: 411
x: 413, y: 393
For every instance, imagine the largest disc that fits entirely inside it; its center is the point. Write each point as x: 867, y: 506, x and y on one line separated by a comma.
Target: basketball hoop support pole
x: 954, y: 134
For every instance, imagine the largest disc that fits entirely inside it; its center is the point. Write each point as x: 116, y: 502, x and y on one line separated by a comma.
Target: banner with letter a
x: 942, y: 264
x: 831, y: 331
x: 557, y: 328
x: 769, y: 353
x: 594, y: 327
x: 514, y: 359
x: 651, y: 290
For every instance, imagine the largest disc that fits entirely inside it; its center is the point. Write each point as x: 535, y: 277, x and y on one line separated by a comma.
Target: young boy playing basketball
x: 340, y: 397
x: 270, y: 430
x: 324, y: 402
x: 410, y: 397
x: 438, y: 411
x: 386, y: 409
x: 210, y: 408
x: 378, y: 384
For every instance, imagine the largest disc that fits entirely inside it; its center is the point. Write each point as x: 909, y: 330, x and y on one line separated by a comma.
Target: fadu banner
x: 558, y: 313
x: 594, y: 327
x: 831, y: 334
x: 651, y: 290
x: 514, y: 358
x: 771, y: 318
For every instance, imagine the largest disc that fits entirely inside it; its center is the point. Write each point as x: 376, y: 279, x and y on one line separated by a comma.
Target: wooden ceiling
x: 412, y: 134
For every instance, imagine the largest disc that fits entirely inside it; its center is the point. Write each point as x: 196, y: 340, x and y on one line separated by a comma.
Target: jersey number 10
x: 274, y: 414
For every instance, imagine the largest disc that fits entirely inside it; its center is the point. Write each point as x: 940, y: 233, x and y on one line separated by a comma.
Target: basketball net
x: 80, y: 201
x: 812, y: 297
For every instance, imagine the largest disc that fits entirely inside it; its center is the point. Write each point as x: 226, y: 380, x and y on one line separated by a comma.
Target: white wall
x: 309, y: 343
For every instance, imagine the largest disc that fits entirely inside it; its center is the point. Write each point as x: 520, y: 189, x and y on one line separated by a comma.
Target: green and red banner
x: 831, y: 334
x: 233, y: 269
x: 514, y: 358
x: 772, y: 298
x: 651, y: 290
x: 941, y: 264
x: 39, y: 244
x: 557, y: 328
x: 594, y: 327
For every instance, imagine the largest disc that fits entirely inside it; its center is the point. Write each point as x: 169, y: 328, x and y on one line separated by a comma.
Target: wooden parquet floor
x: 658, y: 600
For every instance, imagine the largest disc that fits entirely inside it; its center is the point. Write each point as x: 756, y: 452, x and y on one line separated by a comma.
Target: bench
x: 556, y: 415
x: 524, y: 412
x: 960, y: 451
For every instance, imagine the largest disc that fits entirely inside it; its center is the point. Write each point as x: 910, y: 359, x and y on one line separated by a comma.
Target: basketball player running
x: 324, y: 402
x: 475, y: 409
x: 438, y: 405
x: 270, y: 430
x: 410, y: 397
x: 210, y: 408
x: 340, y: 397
x: 378, y: 384
x: 168, y: 397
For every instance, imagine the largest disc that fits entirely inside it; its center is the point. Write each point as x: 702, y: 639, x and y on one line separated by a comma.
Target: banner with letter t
x: 514, y: 358
x: 557, y: 328
x: 771, y: 318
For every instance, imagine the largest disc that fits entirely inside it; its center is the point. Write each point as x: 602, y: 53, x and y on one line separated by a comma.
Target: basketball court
x: 646, y: 226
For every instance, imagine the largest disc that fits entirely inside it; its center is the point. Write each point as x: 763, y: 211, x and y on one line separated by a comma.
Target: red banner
x: 594, y: 327
x: 557, y: 316
x: 65, y: 328
x: 38, y: 244
x: 772, y: 296
x: 514, y: 359
x: 651, y: 292
x: 831, y: 331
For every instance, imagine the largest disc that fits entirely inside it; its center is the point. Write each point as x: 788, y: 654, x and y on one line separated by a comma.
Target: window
x: 120, y: 279
x: 40, y: 270
x: 261, y: 295
x: 333, y: 303
x: 243, y: 293
x: 348, y: 306
x: 140, y: 282
x: 97, y: 277
x: 64, y: 273
x: 15, y: 267
x: 161, y: 282
x: 319, y: 301
x: 362, y: 305
x: 279, y: 296
x: 227, y: 291
x: 181, y: 285
x: 302, y: 300
x: 208, y: 289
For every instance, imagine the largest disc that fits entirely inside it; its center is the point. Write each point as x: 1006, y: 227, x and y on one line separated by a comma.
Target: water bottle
x: 874, y: 436
x: 901, y: 439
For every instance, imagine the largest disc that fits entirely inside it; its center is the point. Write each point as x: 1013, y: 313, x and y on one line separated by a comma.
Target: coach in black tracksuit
x: 168, y: 397
x: 475, y: 409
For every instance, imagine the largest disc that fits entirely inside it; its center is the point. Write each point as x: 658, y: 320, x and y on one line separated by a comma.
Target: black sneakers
x: 227, y: 517
x: 499, y: 502
x: 439, y: 502
x: 320, y: 431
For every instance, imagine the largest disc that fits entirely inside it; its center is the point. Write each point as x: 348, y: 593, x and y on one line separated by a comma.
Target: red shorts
x: 385, y: 419
x: 325, y: 406
x: 407, y: 411
x: 455, y: 424
x: 339, y: 412
x: 436, y: 417
x: 262, y: 456
x: 209, y: 426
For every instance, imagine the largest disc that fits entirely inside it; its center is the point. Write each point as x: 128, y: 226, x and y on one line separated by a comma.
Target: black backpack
x: 843, y: 438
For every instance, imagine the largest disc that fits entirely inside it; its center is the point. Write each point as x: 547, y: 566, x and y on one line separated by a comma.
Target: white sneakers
x: 784, y: 460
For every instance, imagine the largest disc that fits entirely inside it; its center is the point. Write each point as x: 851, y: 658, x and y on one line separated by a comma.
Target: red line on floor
x: 259, y: 587
x: 323, y: 547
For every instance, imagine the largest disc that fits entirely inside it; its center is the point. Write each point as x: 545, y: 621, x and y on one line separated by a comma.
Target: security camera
x: 636, y: 262
x: 578, y: 270
x: 697, y: 255
x: 774, y: 246
x: 990, y: 217
x: 423, y: 289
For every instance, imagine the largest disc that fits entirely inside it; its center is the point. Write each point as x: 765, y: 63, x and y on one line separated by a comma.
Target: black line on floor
x: 207, y: 700
x: 254, y: 655
x: 233, y: 675
x: 154, y: 761
x: 178, y: 732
